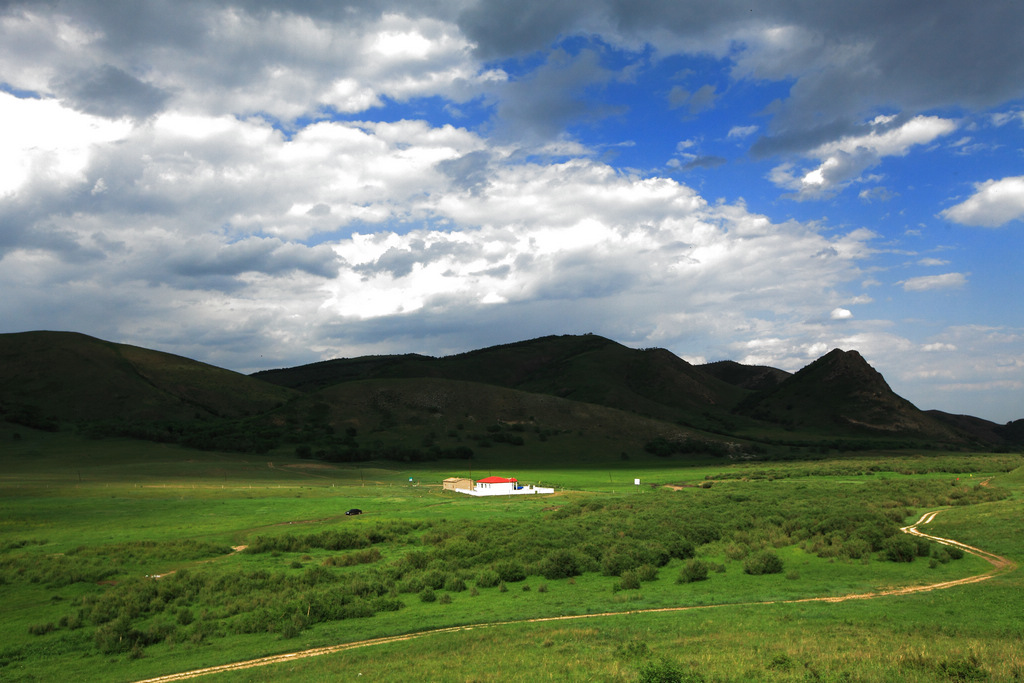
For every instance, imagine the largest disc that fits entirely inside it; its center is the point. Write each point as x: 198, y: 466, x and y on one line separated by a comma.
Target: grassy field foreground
x: 88, y: 526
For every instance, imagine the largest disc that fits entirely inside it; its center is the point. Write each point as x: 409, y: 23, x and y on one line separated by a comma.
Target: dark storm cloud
x: 554, y: 95
x: 111, y: 92
x: 503, y: 29
x: 449, y: 327
x: 262, y: 255
x: 849, y: 60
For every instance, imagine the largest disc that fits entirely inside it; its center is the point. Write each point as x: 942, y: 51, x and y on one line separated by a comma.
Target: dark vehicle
x: 354, y: 511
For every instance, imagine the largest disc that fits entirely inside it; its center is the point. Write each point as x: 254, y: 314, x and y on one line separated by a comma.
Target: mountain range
x: 579, y: 383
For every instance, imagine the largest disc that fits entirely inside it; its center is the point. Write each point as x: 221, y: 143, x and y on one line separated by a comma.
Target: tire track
x: 999, y: 564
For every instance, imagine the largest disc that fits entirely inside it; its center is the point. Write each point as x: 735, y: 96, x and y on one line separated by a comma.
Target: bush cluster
x: 342, y: 573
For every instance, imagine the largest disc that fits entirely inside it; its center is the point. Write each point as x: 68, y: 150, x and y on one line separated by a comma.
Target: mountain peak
x: 841, y: 389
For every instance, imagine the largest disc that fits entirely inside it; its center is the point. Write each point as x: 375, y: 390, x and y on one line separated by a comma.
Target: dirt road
x: 999, y: 565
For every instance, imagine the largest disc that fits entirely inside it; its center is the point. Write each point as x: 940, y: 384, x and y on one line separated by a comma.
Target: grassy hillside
x: 543, y: 386
x: 70, y: 376
x: 841, y: 392
x: 752, y: 377
x: 118, y: 562
x: 586, y: 368
x: 426, y: 418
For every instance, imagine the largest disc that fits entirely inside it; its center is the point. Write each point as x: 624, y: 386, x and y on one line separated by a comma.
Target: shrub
x: 900, y: 548
x: 488, y: 578
x: 963, y: 669
x: 629, y: 580
x: 681, y: 549
x: 693, y: 570
x: 737, y: 551
x: 634, y: 649
x: 428, y: 595
x: 667, y: 671
x: 454, y: 584
x: 646, y: 572
x: 41, y: 629
x: 560, y: 564
x: 510, y: 571
x: 764, y: 562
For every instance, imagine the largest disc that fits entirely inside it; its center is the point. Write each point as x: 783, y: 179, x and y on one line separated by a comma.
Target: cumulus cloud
x: 315, y: 179
x: 842, y: 161
x: 218, y: 58
x: 370, y: 226
x: 44, y: 141
x: 993, y: 204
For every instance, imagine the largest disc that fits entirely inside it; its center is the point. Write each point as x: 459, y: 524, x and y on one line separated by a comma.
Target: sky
x: 260, y: 184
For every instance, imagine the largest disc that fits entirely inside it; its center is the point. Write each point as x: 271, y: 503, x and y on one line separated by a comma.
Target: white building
x: 499, y: 486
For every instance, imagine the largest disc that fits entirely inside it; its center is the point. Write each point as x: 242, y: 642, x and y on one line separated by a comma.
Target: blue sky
x: 261, y: 184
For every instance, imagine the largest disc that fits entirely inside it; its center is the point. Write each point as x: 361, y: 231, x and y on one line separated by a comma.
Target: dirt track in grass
x: 999, y: 565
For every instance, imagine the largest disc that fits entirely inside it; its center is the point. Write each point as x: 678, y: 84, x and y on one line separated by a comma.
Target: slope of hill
x: 71, y: 376
x: 841, y: 391
x: 47, y: 377
x: 585, y: 368
x: 1010, y: 434
x: 752, y: 377
x: 407, y: 410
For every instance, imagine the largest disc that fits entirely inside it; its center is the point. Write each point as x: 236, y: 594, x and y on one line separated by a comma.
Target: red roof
x: 496, y: 480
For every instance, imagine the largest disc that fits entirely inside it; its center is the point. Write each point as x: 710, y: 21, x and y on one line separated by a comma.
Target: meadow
x: 122, y: 560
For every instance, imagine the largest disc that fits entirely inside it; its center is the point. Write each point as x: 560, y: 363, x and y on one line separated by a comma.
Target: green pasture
x: 86, y: 524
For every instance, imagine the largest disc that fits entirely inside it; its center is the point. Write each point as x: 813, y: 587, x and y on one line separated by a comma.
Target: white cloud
x: 842, y: 161
x: 938, y: 346
x: 200, y: 218
x: 1002, y: 118
x: 880, y: 194
x: 742, y: 131
x: 930, y: 282
x: 42, y: 140
x: 225, y: 60
x: 993, y: 204
x: 178, y: 178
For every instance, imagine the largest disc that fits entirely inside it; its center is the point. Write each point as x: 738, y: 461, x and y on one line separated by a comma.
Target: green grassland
x: 118, y: 563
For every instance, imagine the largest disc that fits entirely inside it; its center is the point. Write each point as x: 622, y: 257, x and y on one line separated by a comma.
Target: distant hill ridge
x: 841, y: 390
x: 587, y: 368
x: 752, y: 377
x: 70, y: 376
